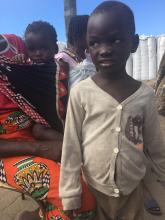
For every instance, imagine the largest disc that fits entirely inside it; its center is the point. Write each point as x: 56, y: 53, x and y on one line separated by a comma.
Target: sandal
x: 152, y: 207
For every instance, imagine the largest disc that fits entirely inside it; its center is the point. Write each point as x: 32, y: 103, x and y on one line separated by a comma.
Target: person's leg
x: 107, y: 207
x: 124, y: 208
x: 162, y: 123
x: 131, y: 206
x: 39, y: 178
x: 150, y: 203
x: 121, y: 208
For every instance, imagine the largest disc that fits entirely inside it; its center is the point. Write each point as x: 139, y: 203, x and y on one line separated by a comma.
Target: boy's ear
x: 135, y: 43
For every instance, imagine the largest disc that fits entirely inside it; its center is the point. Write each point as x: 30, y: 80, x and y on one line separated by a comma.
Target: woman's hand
x: 52, y: 150
x: 20, y: 59
x: 41, y: 132
x: 51, y: 142
x: 47, y: 144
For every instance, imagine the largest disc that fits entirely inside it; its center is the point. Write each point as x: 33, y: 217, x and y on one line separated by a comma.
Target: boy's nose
x: 38, y: 53
x: 105, y: 51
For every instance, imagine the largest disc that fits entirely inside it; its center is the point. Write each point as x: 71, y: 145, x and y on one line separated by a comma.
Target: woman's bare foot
x: 26, y: 215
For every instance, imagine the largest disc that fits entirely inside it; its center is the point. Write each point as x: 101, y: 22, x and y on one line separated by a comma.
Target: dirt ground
x: 11, y: 203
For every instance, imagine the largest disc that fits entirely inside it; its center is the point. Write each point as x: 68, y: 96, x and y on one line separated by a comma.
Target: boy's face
x: 40, y: 47
x: 110, y: 42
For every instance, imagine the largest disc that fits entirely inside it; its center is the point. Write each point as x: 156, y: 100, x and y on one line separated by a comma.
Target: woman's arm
x: 48, y: 145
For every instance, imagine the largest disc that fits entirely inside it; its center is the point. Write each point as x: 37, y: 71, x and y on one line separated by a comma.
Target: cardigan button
x: 116, y: 150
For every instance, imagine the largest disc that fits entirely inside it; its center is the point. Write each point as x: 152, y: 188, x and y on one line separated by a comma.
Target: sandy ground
x: 11, y: 203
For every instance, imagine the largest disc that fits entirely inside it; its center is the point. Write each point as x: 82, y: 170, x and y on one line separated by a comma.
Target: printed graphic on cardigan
x: 33, y: 178
x: 133, y: 130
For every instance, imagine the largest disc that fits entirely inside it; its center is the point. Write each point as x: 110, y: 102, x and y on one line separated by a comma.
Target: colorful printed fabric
x: 62, y: 79
x: 11, y: 45
x: 68, y: 57
x: 61, y: 93
x: 39, y: 178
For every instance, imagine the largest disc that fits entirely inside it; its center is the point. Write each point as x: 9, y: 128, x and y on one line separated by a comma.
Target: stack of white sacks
x: 143, y: 64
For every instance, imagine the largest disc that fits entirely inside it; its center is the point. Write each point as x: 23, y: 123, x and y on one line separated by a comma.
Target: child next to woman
x: 112, y: 123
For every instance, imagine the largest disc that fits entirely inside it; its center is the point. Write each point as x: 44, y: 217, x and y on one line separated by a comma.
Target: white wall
x: 143, y: 64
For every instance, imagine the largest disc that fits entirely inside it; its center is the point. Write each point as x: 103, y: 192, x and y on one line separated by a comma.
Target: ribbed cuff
x: 71, y: 203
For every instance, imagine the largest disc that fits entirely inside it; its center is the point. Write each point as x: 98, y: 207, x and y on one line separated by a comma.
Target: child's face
x: 110, y: 42
x: 40, y: 48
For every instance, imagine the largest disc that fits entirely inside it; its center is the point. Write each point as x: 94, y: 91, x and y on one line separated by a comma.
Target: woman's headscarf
x: 11, y: 45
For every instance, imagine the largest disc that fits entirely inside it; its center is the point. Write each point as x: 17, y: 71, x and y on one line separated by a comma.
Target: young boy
x: 111, y: 123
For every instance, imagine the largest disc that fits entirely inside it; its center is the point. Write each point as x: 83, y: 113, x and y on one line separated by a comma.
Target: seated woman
x: 29, y: 147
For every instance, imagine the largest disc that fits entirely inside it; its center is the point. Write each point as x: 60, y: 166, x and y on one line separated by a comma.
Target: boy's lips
x: 38, y: 61
x: 106, y: 62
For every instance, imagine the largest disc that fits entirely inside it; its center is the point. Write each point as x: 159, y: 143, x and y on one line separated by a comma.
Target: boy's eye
x: 30, y: 48
x: 44, y: 48
x: 117, y: 41
x: 93, y: 43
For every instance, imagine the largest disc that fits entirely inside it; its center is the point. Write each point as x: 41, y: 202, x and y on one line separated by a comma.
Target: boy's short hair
x: 42, y: 27
x: 120, y: 7
x: 77, y: 28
